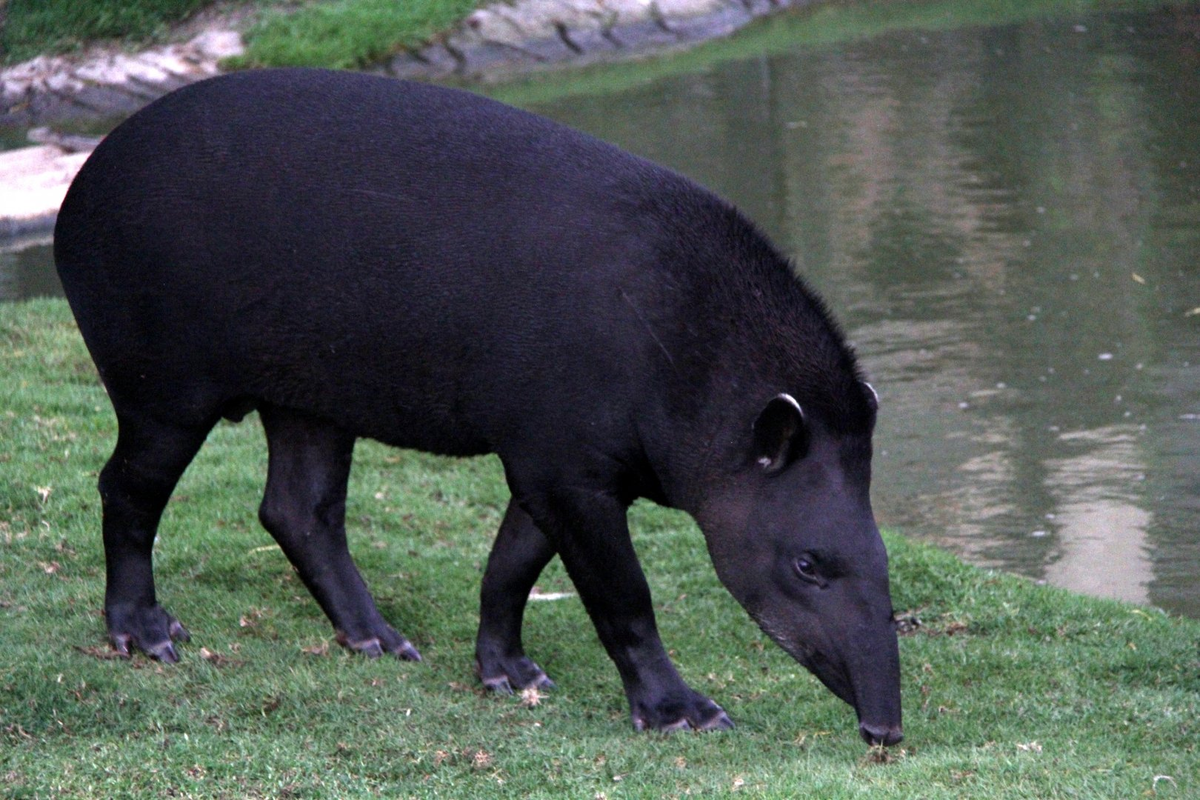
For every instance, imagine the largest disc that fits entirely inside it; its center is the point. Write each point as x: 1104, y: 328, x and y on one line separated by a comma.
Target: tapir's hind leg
x: 135, y: 485
x: 304, y: 508
x: 517, y: 558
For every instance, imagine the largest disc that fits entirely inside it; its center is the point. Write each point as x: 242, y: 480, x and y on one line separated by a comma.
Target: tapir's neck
x: 690, y: 461
x: 734, y: 327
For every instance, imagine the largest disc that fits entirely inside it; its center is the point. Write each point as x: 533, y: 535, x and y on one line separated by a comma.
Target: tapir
x: 356, y: 256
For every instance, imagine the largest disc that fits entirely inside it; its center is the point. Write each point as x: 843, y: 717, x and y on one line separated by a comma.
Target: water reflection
x: 27, y: 268
x: 1095, y: 491
x: 1007, y: 220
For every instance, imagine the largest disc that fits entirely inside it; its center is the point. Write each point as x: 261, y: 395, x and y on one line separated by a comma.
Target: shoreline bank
x: 499, y: 41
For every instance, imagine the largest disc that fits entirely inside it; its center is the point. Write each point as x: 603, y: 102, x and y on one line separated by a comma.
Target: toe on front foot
x: 508, y: 676
x: 375, y: 646
x: 693, y: 713
x: 150, y: 629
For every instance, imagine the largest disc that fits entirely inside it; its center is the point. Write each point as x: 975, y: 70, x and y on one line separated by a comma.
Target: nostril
x: 881, y: 734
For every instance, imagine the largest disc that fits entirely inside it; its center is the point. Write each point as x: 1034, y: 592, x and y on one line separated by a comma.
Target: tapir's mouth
x: 837, y: 681
x: 829, y: 673
x: 876, y: 727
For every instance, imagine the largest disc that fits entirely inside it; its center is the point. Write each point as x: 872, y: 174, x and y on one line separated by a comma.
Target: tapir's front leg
x: 590, y: 531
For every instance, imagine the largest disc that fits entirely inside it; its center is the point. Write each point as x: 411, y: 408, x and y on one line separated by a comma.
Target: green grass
x: 34, y: 27
x: 1011, y: 690
x: 344, y: 34
x: 333, y: 33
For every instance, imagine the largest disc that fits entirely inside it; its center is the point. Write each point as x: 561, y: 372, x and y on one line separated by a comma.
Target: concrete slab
x: 34, y: 181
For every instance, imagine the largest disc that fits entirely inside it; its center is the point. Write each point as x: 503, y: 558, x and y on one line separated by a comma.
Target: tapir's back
x: 351, y: 245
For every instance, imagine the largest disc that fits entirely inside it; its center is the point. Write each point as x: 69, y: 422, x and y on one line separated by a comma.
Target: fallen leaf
x: 218, y: 660
x: 878, y: 754
x: 17, y: 729
x: 102, y: 653
x: 250, y: 618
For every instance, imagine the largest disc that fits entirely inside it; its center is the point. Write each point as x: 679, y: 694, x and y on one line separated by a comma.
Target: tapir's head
x: 793, y: 538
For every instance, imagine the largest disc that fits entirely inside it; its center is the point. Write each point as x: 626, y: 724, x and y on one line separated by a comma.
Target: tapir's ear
x: 780, y: 435
x: 872, y: 396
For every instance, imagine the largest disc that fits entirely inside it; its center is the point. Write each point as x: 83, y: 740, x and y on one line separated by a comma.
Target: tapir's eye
x: 807, y: 570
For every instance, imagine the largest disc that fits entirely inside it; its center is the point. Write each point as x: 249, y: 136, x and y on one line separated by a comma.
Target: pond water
x: 1006, y: 218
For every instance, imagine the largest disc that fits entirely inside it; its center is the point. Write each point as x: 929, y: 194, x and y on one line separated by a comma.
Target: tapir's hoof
x: 512, y: 675
x: 376, y: 646
x: 150, y: 630
x: 697, y: 713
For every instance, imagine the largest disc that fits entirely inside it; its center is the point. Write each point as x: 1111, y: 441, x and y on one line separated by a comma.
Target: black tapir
x: 356, y: 256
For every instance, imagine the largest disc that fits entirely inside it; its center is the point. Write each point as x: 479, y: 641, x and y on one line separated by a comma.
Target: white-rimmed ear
x: 874, y: 396
x: 780, y: 435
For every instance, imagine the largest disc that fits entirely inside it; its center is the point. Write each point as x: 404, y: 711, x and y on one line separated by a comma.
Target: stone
x: 216, y: 45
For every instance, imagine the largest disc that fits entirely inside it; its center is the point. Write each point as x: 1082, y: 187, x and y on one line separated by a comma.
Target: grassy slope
x: 331, y: 33
x: 1011, y: 690
x: 34, y: 27
x: 345, y: 34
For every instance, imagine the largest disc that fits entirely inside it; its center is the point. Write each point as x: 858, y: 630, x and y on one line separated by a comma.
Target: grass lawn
x: 34, y: 27
x: 344, y: 34
x: 1010, y: 690
x: 330, y: 33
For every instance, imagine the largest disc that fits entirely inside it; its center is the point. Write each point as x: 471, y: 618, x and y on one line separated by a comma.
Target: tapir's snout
x: 881, y: 708
x: 851, y: 646
x: 886, y: 735
x: 875, y: 676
